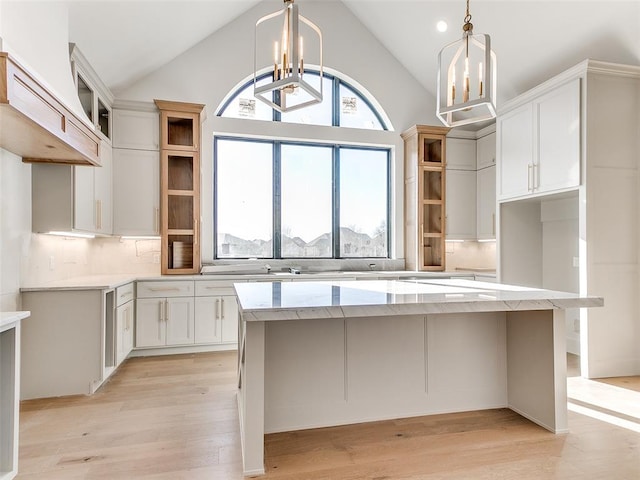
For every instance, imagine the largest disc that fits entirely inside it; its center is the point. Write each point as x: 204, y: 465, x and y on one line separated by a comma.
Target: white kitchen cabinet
x: 461, y: 153
x: 486, y: 151
x: 585, y: 231
x: 136, y: 129
x: 486, y: 197
x: 69, y: 342
x: 136, y: 169
x: 539, y: 144
x: 73, y: 198
x: 136, y: 192
x: 95, y: 97
x: 216, y: 312
x: 558, y: 114
x: 208, y: 320
x: 461, y: 204
x: 461, y: 189
x: 515, y: 151
x: 163, y: 320
x: 150, y: 326
x: 103, y: 191
x: 124, y: 321
x: 216, y: 319
x: 124, y: 329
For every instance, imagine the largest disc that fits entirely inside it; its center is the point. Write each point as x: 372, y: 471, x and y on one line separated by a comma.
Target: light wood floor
x: 176, y: 418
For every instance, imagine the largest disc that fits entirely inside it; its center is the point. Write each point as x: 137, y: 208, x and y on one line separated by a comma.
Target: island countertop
x: 268, y: 301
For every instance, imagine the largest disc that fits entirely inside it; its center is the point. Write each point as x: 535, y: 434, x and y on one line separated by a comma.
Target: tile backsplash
x: 57, y: 258
x: 461, y: 255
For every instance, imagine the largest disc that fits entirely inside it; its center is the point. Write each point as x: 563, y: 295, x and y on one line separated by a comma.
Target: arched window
x: 342, y: 106
x: 290, y: 199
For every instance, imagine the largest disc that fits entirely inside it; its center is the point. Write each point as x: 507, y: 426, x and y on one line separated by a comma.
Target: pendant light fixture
x: 284, y: 50
x: 467, y: 79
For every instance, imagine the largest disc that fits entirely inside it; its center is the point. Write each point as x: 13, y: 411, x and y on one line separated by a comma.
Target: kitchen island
x: 318, y: 354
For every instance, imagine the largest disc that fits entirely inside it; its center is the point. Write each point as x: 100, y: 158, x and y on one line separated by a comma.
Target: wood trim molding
x: 37, y: 126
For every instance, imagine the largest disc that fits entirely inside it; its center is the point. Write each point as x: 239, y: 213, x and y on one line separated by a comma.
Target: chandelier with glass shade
x: 467, y: 79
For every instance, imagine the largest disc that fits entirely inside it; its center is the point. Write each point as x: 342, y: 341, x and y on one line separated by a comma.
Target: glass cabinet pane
x: 85, y: 94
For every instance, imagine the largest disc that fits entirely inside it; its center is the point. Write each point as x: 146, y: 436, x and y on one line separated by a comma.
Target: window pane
x: 244, y: 194
x: 306, y: 201
x: 363, y: 203
x: 245, y: 105
x: 319, y: 113
x: 355, y: 112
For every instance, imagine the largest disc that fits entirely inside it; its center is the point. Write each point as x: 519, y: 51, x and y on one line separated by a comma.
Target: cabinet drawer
x: 215, y: 287
x: 165, y: 289
x: 124, y: 294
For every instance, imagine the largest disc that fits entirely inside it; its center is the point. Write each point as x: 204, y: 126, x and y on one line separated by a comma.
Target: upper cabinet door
x: 515, y: 152
x: 486, y: 149
x: 461, y: 154
x: 461, y: 204
x: 136, y: 192
x: 136, y: 130
x: 103, y: 191
x: 84, y: 206
x: 486, y: 211
x: 559, y: 138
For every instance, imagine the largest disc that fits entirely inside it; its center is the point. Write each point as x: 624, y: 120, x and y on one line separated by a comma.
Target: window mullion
x: 335, y: 108
x: 389, y: 201
x: 277, y: 200
x: 336, y: 202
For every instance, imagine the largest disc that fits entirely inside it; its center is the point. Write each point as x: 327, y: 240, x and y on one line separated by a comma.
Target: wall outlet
x: 156, y: 258
x: 576, y: 262
x: 52, y: 262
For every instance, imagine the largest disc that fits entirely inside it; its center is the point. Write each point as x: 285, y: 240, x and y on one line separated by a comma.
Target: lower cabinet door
x: 208, y: 328
x: 150, y: 323
x: 229, y: 309
x: 124, y: 329
x: 179, y: 318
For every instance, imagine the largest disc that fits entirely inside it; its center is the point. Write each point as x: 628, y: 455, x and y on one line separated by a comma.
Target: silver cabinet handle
x: 222, y: 308
x: 156, y: 220
x: 166, y: 310
x: 164, y: 289
x: 529, y: 183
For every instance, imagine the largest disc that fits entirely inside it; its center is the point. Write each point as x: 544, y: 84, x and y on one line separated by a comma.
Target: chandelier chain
x: 468, y: 26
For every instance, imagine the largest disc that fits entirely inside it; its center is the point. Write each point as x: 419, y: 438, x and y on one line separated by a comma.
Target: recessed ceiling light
x: 442, y: 26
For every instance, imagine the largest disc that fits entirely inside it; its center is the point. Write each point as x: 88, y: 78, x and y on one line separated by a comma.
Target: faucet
x: 295, y: 271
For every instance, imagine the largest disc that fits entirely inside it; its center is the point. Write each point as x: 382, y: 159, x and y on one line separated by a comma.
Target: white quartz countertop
x: 101, y: 282
x: 340, y: 299
x: 10, y: 319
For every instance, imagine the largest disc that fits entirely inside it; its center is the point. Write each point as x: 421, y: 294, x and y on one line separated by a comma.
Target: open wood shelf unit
x: 180, y: 186
x: 425, y: 169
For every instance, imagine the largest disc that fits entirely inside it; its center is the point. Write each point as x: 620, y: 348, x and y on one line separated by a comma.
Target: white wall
x: 207, y: 72
x: 15, y: 226
x: 36, y: 33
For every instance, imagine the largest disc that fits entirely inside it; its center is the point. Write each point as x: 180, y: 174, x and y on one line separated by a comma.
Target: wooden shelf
x: 181, y: 193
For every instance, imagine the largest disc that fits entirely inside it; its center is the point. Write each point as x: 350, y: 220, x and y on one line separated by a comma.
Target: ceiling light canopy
x: 467, y: 79
x: 286, y: 50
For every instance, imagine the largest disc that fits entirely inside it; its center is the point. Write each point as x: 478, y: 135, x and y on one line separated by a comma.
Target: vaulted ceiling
x: 533, y: 40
